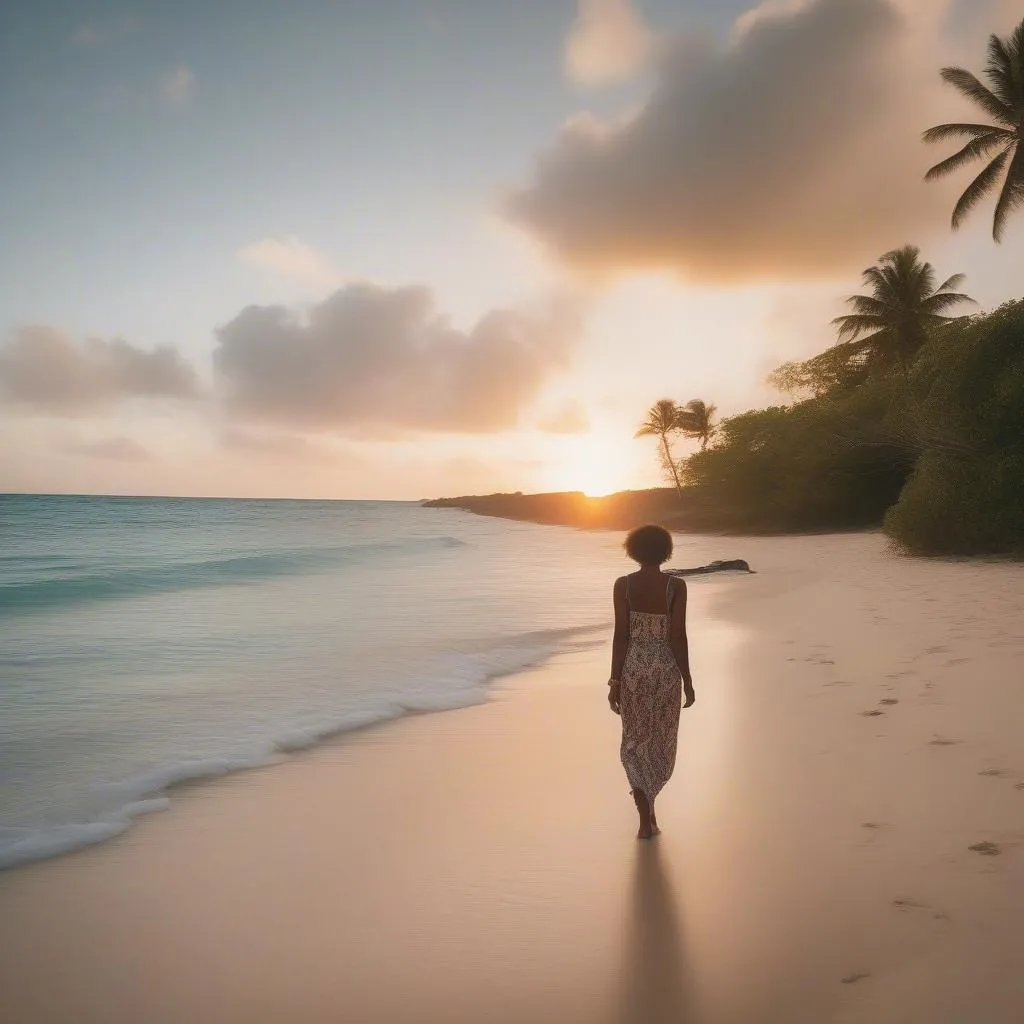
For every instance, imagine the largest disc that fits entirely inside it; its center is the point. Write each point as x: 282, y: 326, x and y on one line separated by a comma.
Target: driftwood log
x: 735, y: 564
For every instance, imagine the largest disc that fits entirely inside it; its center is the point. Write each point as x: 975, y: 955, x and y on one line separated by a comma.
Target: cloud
x: 87, y: 36
x: 273, y: 444
x: 609, y: 42
x: 572, y: 418
x: 292, y: 258
x: 178, y: 87
x: 373, y: 357
x: 793, y: 151
x: 44, y: 368
x: 118, y: 449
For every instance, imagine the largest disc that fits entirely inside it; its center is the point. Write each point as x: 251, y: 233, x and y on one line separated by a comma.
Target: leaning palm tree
x: 663, y: 420
x: 697, y: 420
x: 1002, y: 143
x: 891, y: 324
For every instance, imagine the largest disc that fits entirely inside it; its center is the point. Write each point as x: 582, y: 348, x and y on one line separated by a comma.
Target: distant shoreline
x: 619, y: 511
x: 622, y: 510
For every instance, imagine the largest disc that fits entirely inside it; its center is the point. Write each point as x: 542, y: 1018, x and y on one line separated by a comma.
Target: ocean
x: 149, y: 641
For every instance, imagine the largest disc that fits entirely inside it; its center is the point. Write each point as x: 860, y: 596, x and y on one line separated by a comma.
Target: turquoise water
x: 148, y: 641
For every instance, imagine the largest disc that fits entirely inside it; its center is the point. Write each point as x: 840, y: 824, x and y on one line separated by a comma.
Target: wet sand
x: 843, y: 840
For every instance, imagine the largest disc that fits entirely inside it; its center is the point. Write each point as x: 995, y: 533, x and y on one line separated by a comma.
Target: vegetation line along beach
x: 912, y: 421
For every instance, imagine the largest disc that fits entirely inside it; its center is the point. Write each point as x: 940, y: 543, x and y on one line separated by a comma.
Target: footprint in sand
x: 872, y: 714
x: 888, y: 700
x: 905, y: 905
x: 1020, y: 785
x: 993, y: 772
x: 852, y: 979
x: 938, y: 649
x: 874, y: 826
x: 942, y: 741
x: 986, y: 849
x: 958, y: 661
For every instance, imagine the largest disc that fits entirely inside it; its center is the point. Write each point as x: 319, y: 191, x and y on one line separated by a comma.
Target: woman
x: 650, y: 658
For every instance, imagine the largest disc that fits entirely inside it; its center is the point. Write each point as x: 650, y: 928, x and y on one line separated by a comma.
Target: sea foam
x: 460, y: 680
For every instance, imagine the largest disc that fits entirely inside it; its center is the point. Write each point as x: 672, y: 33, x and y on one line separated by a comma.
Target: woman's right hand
x: 613, y: 697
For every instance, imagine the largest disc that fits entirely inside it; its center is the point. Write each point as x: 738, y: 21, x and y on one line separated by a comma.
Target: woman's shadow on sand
x: 655, y: 984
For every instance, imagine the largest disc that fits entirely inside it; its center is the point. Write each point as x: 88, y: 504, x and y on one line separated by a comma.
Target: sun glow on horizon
x: 596, y: 463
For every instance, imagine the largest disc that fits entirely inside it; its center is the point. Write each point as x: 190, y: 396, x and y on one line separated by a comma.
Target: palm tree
x: 1003, y: 101
x: 663, y: 419
x: 697, y: 420
x: 892, y: 323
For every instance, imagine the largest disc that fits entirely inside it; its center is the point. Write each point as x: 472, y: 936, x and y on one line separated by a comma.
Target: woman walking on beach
x: 650, y: 669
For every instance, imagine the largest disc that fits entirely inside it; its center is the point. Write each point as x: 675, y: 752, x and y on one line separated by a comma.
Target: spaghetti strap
x: 669, y: 594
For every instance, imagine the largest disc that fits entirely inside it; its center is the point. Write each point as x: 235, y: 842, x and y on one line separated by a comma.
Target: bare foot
x: 645, y: 832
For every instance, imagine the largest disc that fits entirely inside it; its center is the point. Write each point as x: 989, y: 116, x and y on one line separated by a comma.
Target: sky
x: 409, y: 248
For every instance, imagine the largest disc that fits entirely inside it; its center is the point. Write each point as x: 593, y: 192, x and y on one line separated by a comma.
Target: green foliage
x: 834, y: 462
x: 838, y: 368
x: 938, y: 456
x: 966, y: 494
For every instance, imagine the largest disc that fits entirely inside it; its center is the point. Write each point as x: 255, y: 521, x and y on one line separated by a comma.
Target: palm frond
x: 870, y: 305
x: 662, y: 418
x: 898, y: 267
x: 952, y: 282
x: 943, y: 132
x: 978, y: 188
x: 853, y: 324
x: 884, y: 281
x: 974, y: 150
x: 1014, y: 46
x: 941, y: 301
x: 1000, y: 72
x: 921, y: 281
x: 970, y: 87
x: 1012, y: 194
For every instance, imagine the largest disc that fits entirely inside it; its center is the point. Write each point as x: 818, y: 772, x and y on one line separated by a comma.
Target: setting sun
x: 597, y: 463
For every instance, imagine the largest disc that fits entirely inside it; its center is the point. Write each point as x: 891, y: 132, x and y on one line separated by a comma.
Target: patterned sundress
x: 650, y: 696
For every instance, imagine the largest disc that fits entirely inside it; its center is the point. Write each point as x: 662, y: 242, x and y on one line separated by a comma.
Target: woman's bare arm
x: 678, y: 640
x: 620, y: 641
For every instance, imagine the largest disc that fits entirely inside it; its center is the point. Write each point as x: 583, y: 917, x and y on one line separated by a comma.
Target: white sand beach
x: 857, y: 731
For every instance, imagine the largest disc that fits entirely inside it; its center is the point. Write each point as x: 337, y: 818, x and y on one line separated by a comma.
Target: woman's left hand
x: 613, y: 697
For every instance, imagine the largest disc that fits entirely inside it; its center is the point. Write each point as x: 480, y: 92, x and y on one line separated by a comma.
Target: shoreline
x: 619, y: 511
x: 146, y: 794
x: 815, y: 865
